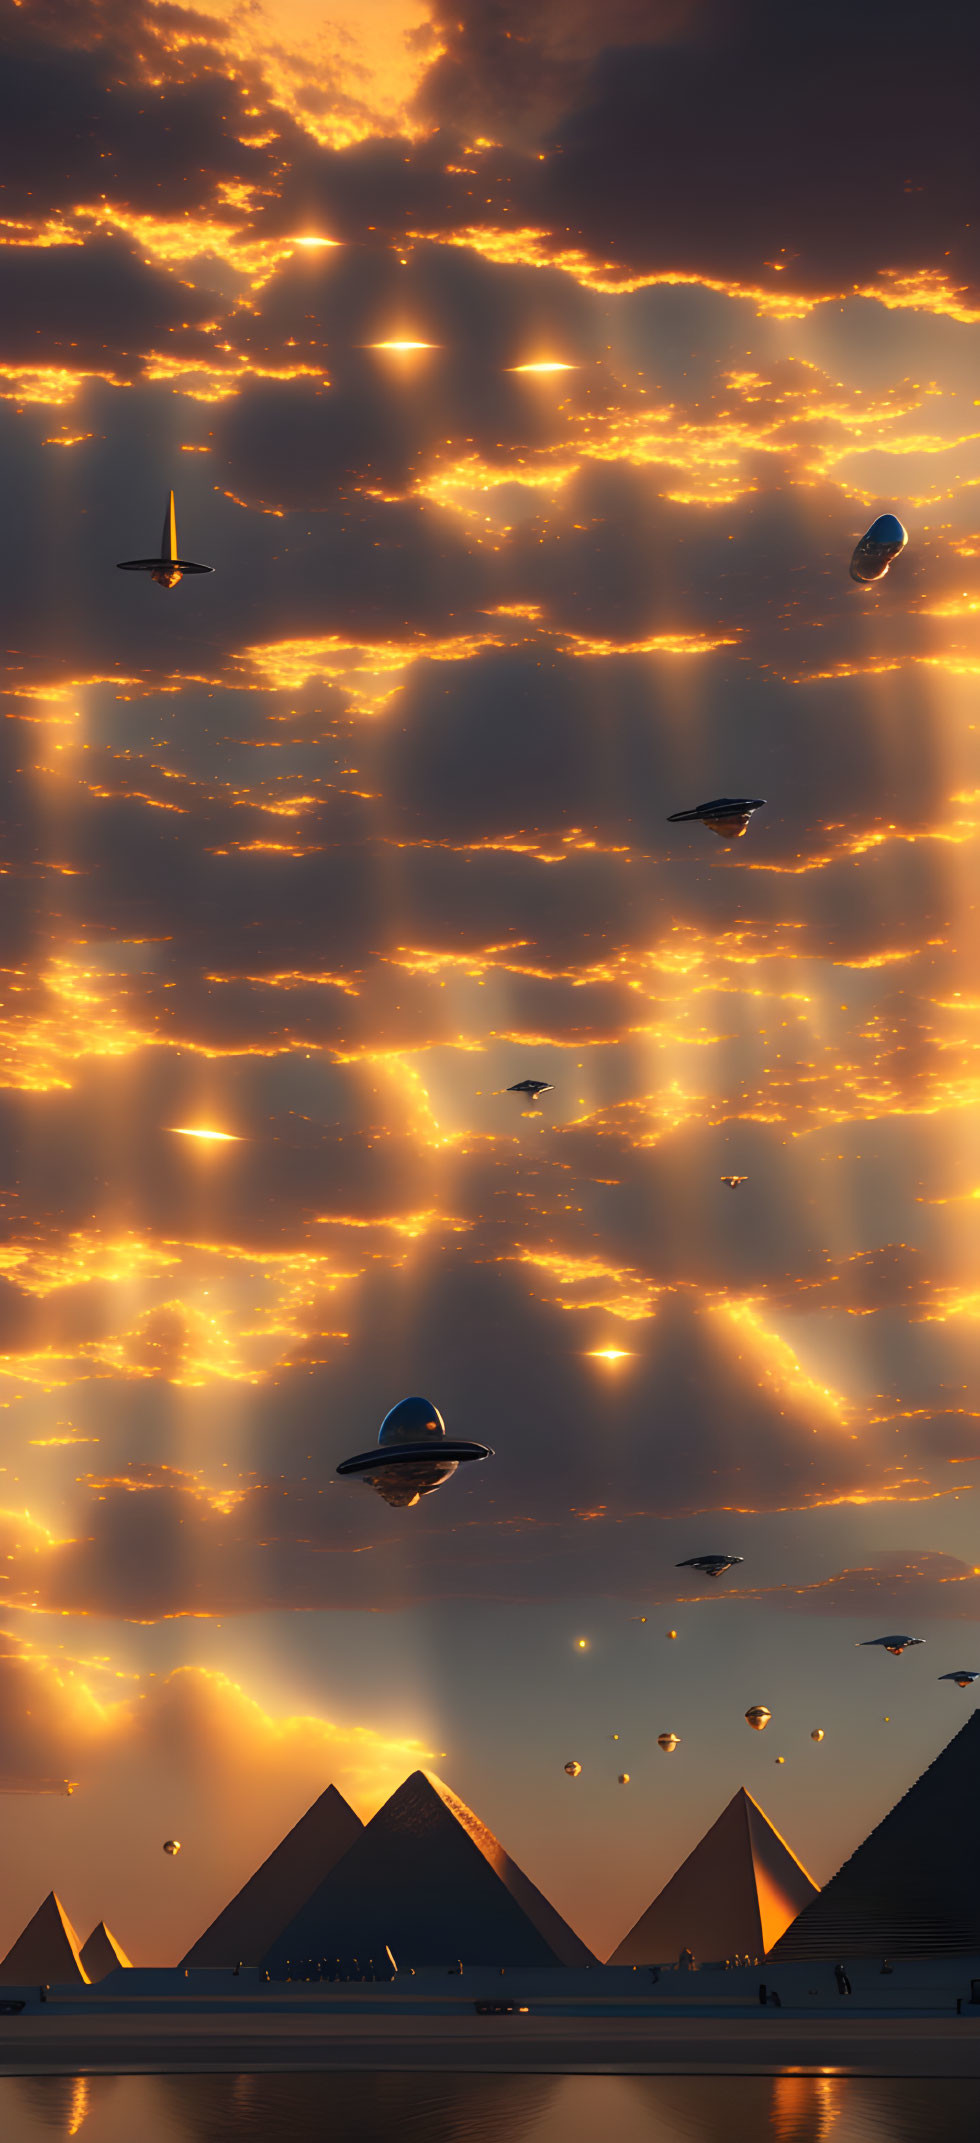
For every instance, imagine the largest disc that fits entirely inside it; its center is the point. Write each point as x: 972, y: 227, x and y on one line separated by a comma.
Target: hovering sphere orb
x: 171, y: 1846
x: 758, y: 1715
x: 582, y: 1644
x: 817, y: 1734
x: 624, y: 1778
x: 573, y: 1770
x: 614, y: 1737
x: 671, y: 1633
x: 668, y: 1743
x: 780, y: 1759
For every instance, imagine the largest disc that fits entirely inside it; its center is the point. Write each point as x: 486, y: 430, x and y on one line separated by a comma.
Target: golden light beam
x: 188, y: 1131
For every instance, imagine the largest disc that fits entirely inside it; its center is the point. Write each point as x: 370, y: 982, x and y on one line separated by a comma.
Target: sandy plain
x: 712, y: 2044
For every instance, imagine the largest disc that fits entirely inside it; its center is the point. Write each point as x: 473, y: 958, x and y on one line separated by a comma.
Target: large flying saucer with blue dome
x: 413, y: 1455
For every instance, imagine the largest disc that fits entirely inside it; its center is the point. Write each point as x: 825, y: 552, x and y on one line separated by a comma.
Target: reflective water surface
x: 487, y: 2109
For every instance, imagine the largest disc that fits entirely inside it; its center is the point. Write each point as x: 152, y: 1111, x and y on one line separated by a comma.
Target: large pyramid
x: 248, y: 1926
x: 102, y: 1953
x: 429, y: 1881
x: 47, y: 1950
x: 732, y: 1896
x: 913, y: 1888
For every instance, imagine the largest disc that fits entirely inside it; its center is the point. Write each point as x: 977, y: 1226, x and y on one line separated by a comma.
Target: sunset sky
x: 327, y: 850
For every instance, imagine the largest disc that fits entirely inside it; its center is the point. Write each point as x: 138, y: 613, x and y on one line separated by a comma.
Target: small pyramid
x: 46, y: 1951
x: 246, y: 1927
x: 102, y: 1953
x: 430, y: 1883
x: 913, y: 1888
x: 732, y: 1896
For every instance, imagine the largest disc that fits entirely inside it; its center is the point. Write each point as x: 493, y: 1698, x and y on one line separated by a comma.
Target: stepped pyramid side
x: 732, y: 1896
x: 913, y: 1888
x: 430, y: 1881
x: 46, y: 1950
x: 249, y: 1924
x: 102, y: 1953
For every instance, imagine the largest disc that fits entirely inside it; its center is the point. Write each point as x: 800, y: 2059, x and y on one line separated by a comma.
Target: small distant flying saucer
x: 414, y: 1455
x: 624, y: 1778
x: 573, y: 1770
x: 668, y: 1743
x: 963, y: 1676
x: 728, y: 816
x: 532, y: 1088
x: 171, y: 1846
x: 895, y: 1645
x: 758, y: 1716
x: 817, y: 1734
x: 733, y: 1181
x: 168, y: 570
x: 710, y: 1565
x: 879, y: 545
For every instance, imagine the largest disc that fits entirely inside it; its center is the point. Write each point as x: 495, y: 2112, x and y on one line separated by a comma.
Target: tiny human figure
x: 843, y: 1983
x: 763, y: 1996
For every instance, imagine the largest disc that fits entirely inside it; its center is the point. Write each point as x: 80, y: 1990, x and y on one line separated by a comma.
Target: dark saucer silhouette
x: 413, y: 1455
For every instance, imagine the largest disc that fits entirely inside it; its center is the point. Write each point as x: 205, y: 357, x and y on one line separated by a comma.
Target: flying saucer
x: 962, y: 1677
x: 758, y: 1716
x: 573, y: 1770
x: 532, y: 1088
x: 896, y: 1645
x: 728, y: 816
x: 413, y: 1456
x: 668, y: 1743
x: 710, y: 1565
x: 817, y: 1734
x: 733, y: 1181
x: 172, y: 1847
x: 877, y: 548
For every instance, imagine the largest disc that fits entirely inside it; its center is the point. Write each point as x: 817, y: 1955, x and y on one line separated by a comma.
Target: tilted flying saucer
x: 877, y: 548
x: 413, y: 1455
x: 532, y: 1088
x: 733, y: 1181
x: 710, y: 1565
x: 168, y: 570
x: 728, y: 816
x: 895, y: 1645
x: 963, y: 1676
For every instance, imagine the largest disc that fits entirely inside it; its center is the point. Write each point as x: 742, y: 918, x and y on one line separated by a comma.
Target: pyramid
x: 429, y: 1881
x: 732, y: 1896
x: 913, y: 1888
x: 102, y: 1953
x: 46, y: 1951
x: 246, y: 1928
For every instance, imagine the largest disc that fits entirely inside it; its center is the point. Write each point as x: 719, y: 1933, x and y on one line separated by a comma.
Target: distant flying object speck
x: 897, y: 1645
x: 733, y: 1181
x: 710, y: 1565
x: 624, y: 1778
x: 414, y: 1455
x: 573, y: 1770
x: 671, y: 1633
x: 879, y: 545
x: 167, y: 570
x: 780, y: 1759
x: 817, y: 1734
x: 962, y: 1677
x: 532, y: 1088
x: 758, y: 1716
x: 728, y: 816
x: 668, y: 1743
x: 171, y: 1846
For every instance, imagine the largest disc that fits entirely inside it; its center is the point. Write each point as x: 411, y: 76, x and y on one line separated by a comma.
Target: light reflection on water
x: 487, y: 2109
